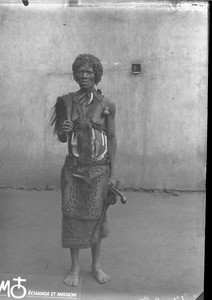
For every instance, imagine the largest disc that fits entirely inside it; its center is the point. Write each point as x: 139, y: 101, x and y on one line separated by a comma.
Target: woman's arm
x: 112, y: 142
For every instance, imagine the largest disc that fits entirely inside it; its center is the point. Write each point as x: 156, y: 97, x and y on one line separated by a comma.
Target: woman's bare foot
x: 72, y: 278
x: 99, y: 275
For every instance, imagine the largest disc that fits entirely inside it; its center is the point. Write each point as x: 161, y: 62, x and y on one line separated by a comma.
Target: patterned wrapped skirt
x: 82, y: 205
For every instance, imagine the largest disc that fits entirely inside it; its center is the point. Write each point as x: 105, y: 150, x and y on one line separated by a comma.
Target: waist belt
x: 103, y: 162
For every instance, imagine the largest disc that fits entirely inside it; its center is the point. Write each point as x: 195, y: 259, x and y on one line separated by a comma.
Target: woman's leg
x: 97, y: 272
x: 73, y: 276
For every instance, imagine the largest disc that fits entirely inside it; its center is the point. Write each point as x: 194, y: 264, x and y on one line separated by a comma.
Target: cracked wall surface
x: 161, y: 113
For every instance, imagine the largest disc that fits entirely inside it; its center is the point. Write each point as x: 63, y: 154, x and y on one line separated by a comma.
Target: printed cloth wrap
x: 82, y: 205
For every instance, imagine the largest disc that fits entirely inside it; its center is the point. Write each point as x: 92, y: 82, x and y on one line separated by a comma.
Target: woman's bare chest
x: 93, y: 113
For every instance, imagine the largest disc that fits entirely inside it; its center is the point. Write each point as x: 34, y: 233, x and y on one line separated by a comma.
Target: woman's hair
x: 93, y: 62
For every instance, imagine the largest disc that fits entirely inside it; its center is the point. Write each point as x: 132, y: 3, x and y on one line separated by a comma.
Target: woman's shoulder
x: 65, y: 97
x: 110, y: 105
x: 108, y: 102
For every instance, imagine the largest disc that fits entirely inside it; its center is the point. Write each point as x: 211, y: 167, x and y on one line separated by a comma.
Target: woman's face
x: 85, y: 77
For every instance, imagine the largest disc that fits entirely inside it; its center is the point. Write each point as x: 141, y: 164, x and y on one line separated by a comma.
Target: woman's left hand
x: 112, y: 182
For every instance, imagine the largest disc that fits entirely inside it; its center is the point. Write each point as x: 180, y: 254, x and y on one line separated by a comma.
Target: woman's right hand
x: 67, y: 126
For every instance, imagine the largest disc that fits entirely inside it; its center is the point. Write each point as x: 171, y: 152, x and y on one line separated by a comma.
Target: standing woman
x: 86, y: 119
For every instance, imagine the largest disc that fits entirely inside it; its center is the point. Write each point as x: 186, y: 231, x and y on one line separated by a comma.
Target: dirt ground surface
x: 155, y: 250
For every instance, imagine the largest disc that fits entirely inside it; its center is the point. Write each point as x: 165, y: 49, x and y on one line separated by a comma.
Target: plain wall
x: 161, y: 113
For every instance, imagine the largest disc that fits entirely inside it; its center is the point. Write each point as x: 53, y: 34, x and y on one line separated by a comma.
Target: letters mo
x: 12, y: 289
